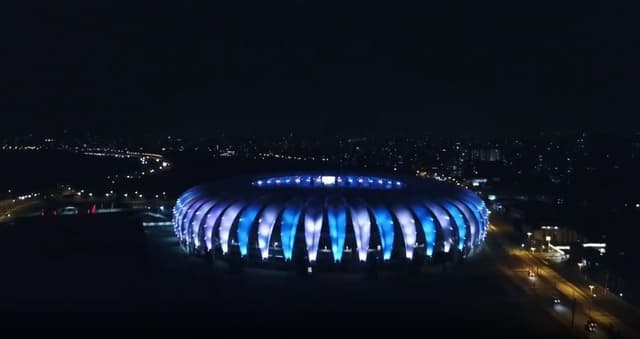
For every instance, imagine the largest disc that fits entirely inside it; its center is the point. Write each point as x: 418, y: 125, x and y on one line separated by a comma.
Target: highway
x: 615, y: 318
x: 12, y: 208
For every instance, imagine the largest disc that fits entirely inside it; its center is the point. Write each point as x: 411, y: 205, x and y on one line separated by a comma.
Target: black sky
x: 254, y: 66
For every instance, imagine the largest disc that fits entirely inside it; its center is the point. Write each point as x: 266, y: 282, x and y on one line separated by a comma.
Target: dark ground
x: 114, y: 288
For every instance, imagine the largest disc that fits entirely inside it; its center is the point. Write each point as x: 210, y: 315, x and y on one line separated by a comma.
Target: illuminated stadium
x: 331, y: 218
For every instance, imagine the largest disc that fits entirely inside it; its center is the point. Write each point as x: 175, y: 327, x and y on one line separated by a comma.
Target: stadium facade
x: 331, y: 218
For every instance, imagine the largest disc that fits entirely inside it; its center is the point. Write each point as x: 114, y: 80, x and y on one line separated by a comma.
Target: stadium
x: 331, y: 218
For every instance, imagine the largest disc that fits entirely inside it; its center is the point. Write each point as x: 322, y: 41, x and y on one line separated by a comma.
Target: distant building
x: 486, y: 154
x: 557, y: 235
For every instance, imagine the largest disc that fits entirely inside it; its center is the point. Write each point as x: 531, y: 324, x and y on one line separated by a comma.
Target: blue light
x: 187, y: 218
x: 328, y: 181
x: 460, y: 224
x: 428, y: 227
x: 244, y: 226
x: 337, y: 218
x: 206, y: 215
x: 445, y: 224
x: 362, y: 229
x: 288, y: 225
x: 312, y: 230
x: 408, y: 228
x: 384, y: 220
x: 227, y: 219
x: 471, y: 221
x: 265, y: 226
x: 198, y: 221
x: 210, y: 221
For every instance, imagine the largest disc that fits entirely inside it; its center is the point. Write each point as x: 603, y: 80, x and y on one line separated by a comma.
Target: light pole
x: 548, y: 239
x: 591, y: 298
x: 529, y: 238
x: 573, y: 307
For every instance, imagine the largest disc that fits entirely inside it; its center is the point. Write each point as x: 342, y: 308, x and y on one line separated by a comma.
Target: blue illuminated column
x: 212, y: 217
x: 428, y: 226
x: 312, y: 229
x: 482, y: 210
x: 362, y: 229
x: 446, y: 226
x: 288, y: 226
x: 384, y: 220
x: 408, y: 228
x: 476, y: 205
x: 470, y: 220
x: 459, y: 221
x: 180, y: 230
x: 478, y: 219
x: 485, y: 214
x: 187, y: 219
x: 178, y: 211
x: 337, y: 217
x: 197, y: 221
x: 227, y: 219
x: 265, y: 227
x: 245, y: 221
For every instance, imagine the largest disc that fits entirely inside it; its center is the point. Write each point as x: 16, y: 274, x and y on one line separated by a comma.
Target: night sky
x: 317, y: 67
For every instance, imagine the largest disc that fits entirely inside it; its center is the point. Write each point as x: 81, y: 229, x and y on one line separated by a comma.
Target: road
x: 11, y: 208
x: 615, y: 318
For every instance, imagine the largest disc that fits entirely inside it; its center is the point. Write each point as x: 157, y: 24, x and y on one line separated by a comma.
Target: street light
x: 591, y: 304
x: 548, y: 239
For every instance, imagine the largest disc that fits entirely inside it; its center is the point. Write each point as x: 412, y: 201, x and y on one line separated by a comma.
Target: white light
x: 594, y: 245
x: 328, y: 180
